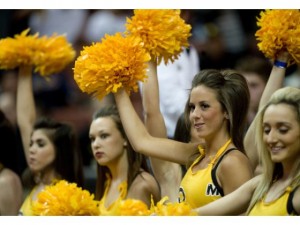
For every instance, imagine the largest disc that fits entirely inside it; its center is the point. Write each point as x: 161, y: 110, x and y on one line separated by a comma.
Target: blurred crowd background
x: 220, y: 37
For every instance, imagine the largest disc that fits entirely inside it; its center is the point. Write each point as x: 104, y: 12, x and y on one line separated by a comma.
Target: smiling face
x: 282, y: 133
x: 206, y: 114
x: 41, y: 151
x: 106, y: 140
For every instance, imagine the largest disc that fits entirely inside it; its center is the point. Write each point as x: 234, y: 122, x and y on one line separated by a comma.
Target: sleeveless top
x: 201, y: 187
x: 26, y: 208
x: 106, y: 211
x: 282, y: 206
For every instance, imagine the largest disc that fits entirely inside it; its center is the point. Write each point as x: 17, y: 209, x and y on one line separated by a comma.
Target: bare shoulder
x: 296, y: 200
x: 145, y: 181
x: 8, y: 177
x: 10, y: 182
x: 11, y: 192
x: 143, y: 187
x: 233, y: 171
x: 235, y: 160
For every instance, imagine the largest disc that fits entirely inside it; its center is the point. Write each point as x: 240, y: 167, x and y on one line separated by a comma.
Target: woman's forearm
x: 142, y: 141
x: 26, y: 113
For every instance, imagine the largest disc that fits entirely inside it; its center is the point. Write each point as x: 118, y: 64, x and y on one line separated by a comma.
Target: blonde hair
x: 271, y: 170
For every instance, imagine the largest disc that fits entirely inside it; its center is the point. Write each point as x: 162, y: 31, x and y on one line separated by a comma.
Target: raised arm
x: 235, y: 203
x: 153, y: 117
x: 168, y: 174
x: 142, y: 141
x: 275, y: 82
x: 26, y: 113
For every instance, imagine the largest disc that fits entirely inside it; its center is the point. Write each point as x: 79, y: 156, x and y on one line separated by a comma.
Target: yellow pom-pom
x: 279, y: 30
x: 163, y: 32
x: 47, y: 55
x: 65, y: 199
x: 56, y: 54
x: 18, y: 51
x: 164, y: 208
x: 129, y: 207
x: 114, y: 62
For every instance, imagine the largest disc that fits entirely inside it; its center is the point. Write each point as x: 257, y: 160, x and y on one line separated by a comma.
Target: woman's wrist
x: 280, y: 64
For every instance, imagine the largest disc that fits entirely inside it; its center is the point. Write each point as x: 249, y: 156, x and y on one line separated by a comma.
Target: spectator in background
x: 256, y: 70
x: 101, y: 22
x: 293, y: 78
x: 61, y: 21
x: 219, y: 38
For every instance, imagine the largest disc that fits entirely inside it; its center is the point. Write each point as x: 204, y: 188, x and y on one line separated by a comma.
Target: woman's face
x: 206, y: 114
x: 281, y: 133
x: 106, y: 140
x: 41, y: 151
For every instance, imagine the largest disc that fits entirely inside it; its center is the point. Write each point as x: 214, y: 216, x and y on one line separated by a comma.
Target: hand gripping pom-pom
x: 114, y: 62
x: 279, y: 30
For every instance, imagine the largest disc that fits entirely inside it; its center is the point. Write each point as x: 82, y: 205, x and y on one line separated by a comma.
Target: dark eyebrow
x: 40, y: 140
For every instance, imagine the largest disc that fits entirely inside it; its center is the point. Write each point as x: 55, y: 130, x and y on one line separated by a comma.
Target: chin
x: 34, y: 170
x: 276, y: 159
x: 102, y: 163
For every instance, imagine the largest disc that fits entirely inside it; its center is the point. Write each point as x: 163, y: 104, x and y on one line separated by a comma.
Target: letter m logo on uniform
x: 212, y: 190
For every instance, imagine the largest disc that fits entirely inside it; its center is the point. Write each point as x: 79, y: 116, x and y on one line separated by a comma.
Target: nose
x: 195, y: 114
x: 32, y: 149
x: 271, y: 137
x: 96, y: 144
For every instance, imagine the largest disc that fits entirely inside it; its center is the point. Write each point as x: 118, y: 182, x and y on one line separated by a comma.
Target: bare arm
x: 234, y: 170
x: 275, y: 82
x: 26, y: 113
x: 154, y: 120
x: 168, y: 174
x: 142, y: 141
x: 10, y: 194
x: 234, y: 203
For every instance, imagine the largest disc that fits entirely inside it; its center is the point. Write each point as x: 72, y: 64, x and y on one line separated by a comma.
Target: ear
x: 226, y: 116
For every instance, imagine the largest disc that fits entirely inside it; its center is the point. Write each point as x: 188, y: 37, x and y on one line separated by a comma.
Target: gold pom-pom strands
x: 115, y: 62
x: 48, y: 55
x: 65, y: 199
x: 163, y: 32
x: 279, y: 30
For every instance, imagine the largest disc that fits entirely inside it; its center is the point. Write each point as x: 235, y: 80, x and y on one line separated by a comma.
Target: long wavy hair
x: 272, y: 170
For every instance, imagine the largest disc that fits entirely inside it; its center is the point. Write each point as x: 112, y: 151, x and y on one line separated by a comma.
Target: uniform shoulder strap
x: 290, y: 207
x: 214, y: 172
